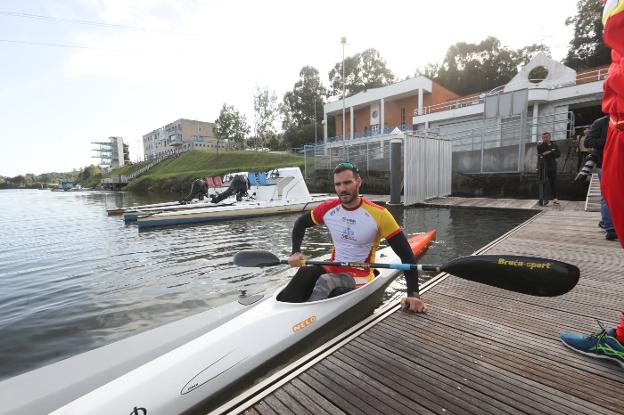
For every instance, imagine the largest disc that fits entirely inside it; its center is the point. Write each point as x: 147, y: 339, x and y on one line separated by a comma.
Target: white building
x: 113, y: 153
x: 179, y: 136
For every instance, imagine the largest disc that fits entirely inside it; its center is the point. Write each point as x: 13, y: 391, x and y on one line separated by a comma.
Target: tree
x: 476, y: 67
x: 296, y: 137
x: 265, y: 113
x: 586, y: 47
x: 299, y: 104
x: 230, y: 125
x: 362, y: 71
x: 89, y: 172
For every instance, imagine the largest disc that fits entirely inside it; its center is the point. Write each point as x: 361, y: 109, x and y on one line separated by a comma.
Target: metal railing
x: 592, y: 75
x: 371, y: 133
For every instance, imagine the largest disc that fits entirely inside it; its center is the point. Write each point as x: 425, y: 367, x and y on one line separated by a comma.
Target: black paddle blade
x: 252, y: 258
x: 528, y: 275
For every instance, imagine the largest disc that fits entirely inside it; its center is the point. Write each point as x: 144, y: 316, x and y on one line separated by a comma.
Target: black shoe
x: 601, y: 225
x: 610, y: 235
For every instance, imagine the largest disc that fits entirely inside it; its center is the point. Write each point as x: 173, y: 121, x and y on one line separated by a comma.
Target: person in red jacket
x: 612, y: 185
x: 609, y: 344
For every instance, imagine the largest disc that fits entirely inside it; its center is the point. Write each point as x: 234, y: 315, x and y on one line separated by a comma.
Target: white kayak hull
x: 45, y: 389
x: 197, y: 371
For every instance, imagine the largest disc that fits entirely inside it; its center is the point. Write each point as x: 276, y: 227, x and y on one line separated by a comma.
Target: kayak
x: 220, y: 212
x: 46, y: 389
x: 191, y: 374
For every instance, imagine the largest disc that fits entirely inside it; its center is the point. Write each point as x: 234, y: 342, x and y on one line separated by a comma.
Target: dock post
x: 395, y: 171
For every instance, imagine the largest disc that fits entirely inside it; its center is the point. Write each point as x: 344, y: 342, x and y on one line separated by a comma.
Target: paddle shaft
x: 402, y: 267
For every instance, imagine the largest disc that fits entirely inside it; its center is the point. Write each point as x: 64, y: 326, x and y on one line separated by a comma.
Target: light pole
x: 343, y: 40
x: 315, y: 122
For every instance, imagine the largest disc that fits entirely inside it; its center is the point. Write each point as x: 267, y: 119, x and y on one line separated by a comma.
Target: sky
x: 133, y: 66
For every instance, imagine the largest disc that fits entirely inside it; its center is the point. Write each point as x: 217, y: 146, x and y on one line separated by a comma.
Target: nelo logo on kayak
x: 303, y: 324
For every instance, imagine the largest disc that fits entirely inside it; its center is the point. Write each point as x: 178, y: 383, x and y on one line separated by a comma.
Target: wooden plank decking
x: 496, y: 203
x: 479, y: 350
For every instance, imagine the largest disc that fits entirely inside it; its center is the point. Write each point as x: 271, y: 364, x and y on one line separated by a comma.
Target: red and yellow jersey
x: 613, y: 21
x: 356, y: 233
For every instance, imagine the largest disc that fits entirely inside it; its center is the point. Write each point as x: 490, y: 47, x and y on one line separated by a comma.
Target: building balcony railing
x: 453, y: 104
x: 373, y: 132
x: 592, y: 75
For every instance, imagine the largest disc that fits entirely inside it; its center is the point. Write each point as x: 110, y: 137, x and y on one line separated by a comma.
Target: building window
x: 402, y: 116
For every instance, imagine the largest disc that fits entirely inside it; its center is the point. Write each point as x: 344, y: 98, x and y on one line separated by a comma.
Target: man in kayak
x: 356, y: 226
x: 199, y: 189
x: 238, y: 186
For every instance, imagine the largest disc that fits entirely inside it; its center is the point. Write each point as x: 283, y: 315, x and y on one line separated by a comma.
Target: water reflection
x: 74, y: 279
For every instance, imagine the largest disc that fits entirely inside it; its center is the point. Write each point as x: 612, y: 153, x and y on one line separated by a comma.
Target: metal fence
x: 427, y: 166
x: 499, y: 145
x: 369, y: 156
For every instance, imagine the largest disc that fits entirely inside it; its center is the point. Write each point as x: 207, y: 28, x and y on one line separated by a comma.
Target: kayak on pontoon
x: 191, y: 374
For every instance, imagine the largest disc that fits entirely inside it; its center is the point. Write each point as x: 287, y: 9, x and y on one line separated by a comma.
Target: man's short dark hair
x: 347, y: 165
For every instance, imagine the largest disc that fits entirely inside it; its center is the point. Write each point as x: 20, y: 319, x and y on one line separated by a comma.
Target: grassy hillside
x: 175, y: 175
x: 125, y: 170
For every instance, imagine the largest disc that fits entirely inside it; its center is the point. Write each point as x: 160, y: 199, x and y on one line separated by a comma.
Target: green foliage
x: 296, y: 137
x: 304, y: 104
x: 32, y: 181
x: 266, y: 113
x: 586, y: 47
x: 477, y: 67
x: 176, y: 174
x: 231, y: 125
x: 361, y: 71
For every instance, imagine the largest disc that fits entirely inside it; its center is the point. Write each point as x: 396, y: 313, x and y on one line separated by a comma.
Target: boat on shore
x: 285, y: 191
x: 187, y: 372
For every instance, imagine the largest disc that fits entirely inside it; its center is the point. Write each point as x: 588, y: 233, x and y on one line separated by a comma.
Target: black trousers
x: 197, y: 191
x: 236, y: 187
x: 300, y: 287
x: 551, y: 175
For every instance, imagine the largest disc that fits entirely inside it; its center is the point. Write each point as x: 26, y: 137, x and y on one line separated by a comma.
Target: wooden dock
x: 489, y: 202
x: 479, y: 350
x: 495, y: 203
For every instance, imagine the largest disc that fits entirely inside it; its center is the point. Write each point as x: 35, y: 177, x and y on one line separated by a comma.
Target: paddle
x: 528, y: 275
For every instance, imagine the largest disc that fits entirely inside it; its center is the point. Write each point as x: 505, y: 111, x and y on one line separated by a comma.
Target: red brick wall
x: 392, y: 110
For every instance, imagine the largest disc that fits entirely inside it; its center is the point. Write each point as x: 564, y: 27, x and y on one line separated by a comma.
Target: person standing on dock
x: 199, y: 189
x: 238, y: 186
x: 356, y: 226
x: 609, y: 344
x: 596, y: 139
x: 551, y: 153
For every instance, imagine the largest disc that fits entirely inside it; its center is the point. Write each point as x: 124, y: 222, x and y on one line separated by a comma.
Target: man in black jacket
x: 238, y: 186
x: 199, y: 189
x: 551, y: 153
x: 597, y: 139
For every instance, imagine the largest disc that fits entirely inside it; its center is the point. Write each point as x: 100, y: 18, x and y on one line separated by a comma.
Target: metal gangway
x: 592, y: 201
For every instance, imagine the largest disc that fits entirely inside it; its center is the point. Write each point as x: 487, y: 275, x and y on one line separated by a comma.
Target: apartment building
x: 179, y: 136
x: 112, y: 154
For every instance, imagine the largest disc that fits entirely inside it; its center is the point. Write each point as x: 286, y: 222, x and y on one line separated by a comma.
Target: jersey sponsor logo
x: 349, y: 221
x: 303, y: 324
x: 348, y: 234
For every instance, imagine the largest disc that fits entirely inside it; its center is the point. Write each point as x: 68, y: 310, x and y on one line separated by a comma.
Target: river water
x: 73, y: 278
